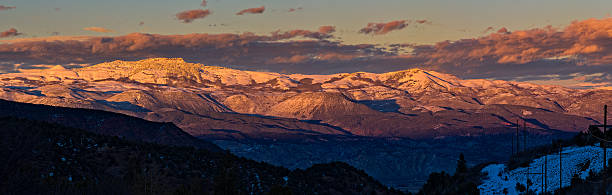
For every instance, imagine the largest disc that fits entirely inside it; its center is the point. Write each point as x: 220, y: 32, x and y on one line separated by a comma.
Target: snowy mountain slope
x: 575, y: 160
x: 411, y: 103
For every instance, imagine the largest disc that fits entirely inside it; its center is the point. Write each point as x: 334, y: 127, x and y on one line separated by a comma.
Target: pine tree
x: 461, y: 164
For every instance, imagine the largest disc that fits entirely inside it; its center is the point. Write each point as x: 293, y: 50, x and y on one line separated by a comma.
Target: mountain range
x: 420, y: 119
x: 218, y: 102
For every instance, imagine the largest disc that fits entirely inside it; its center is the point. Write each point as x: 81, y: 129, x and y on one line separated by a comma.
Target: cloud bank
x: 580, y: 48
x: 586, y: 42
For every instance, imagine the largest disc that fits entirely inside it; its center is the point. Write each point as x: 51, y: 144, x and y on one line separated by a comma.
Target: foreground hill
x: 44, y: 158
x: 106, y: 123
x: 222, y: 103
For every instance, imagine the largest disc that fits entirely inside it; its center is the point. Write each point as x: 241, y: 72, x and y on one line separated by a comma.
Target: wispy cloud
x: 323, y: 33
x: 256, y: 10
x: 384, y: 28
x: 423, y: 21
x: 3, y: 8
x: 488, y: 29
x: 97, y: 29
x: 294, y: 9
x: 190, y: 15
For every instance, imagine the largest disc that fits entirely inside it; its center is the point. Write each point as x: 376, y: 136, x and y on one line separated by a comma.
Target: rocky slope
x: 226, y: 103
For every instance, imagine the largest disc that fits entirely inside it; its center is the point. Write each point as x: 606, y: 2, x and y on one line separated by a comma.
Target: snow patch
x: 575, y: 160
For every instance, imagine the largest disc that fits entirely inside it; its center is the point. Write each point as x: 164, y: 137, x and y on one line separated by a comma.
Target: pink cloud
x: 422, y: 21
x: 3, y: 8
x: 588, y: 40
x: 384, y: 28
x: 333, y: 56
x: 294, y: 9
x: 97, y: 29
x: 327, y: 29
x: 503, y: 30
x: 190, y: 15
x: 9, y: 33
x: 256, y: 10
x: 323, y: 33
x: 488, y: 29
x: 289, y: 60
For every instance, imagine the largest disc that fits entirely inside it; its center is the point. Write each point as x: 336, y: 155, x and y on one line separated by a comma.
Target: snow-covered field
x: 575, y: 160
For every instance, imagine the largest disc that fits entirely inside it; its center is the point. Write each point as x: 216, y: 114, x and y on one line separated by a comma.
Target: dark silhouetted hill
x: 45, y: 158
x: 106, y: 123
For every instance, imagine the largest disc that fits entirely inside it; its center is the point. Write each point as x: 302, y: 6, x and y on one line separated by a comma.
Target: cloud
x: 323, y: 33
x: 204, y: 3
x: 333, y: 56
x: 3, y: 8
x: 586, y: 42
x: 313, y: 58
x: 327, y: 29
x: 9, y: 33
x: 488, y: 29
x: 503, y: 30
x: 190, y: 15
x: 422, y: 21
x: 384, y: 28
x: 294, y: 9
x: 240, y: 49
x: 97, y: 29
x: 256, y: 10
x: 289, y: 60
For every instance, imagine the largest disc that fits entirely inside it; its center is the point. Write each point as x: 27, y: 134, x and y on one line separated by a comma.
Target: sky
x: 468, y: 38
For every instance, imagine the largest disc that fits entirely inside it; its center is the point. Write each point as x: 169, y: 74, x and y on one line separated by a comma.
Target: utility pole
x: 560, y: 167
x: 527, y: 181
x: 540, y: 173
x: 545, y: 173
x: 543, y: 176
x: 605, y: 121
x: 525, y: 135
x: 518, y: 138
